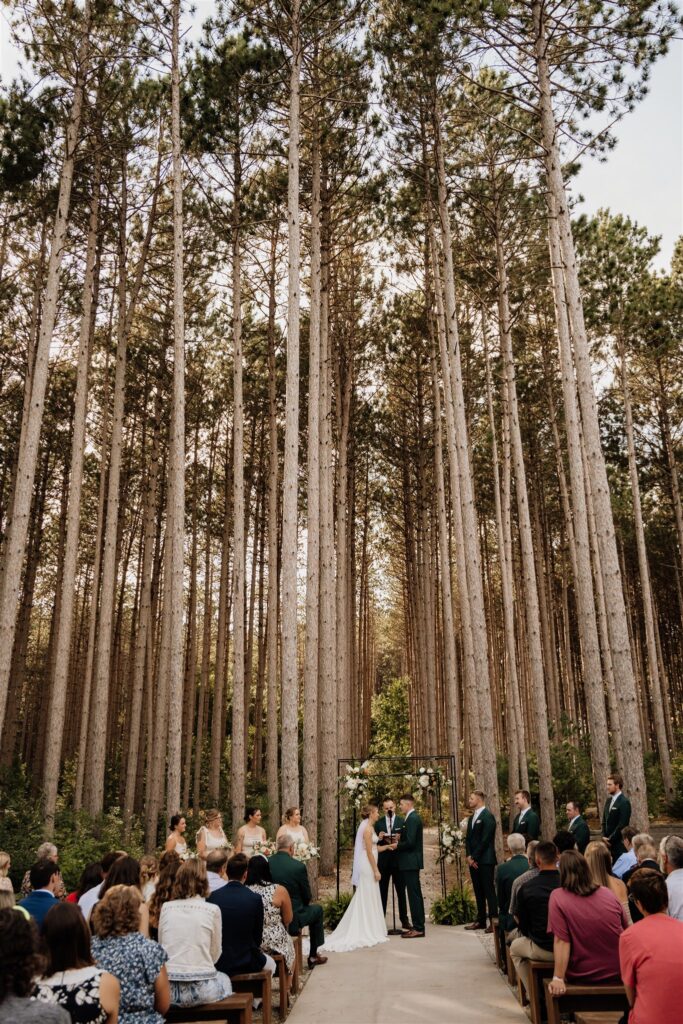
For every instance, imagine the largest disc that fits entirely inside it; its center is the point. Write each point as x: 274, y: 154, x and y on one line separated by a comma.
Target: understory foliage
x: 456, y: 907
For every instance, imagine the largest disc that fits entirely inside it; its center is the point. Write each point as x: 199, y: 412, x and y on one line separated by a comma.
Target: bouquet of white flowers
x: 356, y: 782
x: 451, y: 840
x: 266, y: 847
x: 427, y: 778
x: 305, y: 851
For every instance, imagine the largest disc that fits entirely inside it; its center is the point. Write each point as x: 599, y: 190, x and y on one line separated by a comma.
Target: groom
x: 410, y: 863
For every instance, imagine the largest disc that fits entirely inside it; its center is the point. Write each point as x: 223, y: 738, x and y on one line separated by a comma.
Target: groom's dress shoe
x: 473, y: 927
x: 314, y: 961
x: 413, y: 934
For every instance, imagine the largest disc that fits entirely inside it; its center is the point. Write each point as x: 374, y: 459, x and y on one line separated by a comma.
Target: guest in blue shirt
x: 629, y: 859
x: 46, y: 882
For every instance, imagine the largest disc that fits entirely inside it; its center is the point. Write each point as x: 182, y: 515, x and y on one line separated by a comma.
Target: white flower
x: 424, y: 781
x: 464, y: 823
x: 421, y: 771
x: 448, y: 840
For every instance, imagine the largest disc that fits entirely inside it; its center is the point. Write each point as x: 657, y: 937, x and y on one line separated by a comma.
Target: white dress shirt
x: 89, y: 899
x: 476, y: 815
x: 215, y: 881
x: 674, y: 884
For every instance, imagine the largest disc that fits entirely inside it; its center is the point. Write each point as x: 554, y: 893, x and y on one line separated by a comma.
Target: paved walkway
x: 448, y: 978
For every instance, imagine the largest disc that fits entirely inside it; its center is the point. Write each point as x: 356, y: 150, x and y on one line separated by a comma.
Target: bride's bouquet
x: 451, y: 840
x: 305, y: 851
x: 266, y: 847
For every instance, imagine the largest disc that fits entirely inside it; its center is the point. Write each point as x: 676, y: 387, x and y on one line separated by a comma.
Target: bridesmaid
x: 250, y: 833
x: 291, y: 822
x: 176, y: 842
x: 211, y: 835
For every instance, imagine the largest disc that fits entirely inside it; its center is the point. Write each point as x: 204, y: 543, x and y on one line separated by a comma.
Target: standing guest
x: 277, y: 910
x: 90, y: 876
x: 137, y: 962
x: 190, y: 932
x: 519, y: 882
x: 169, y: 864
x: 651, y: 954
x: 638, y: 842
x: 90, y: 897
x: 480, y: 847
x: 564, y: 840
x: 216, y: 863
x: 292, y: 874
x: 71, y: 978
x: 211, y: 835
x: 578, y: 825
x: 387, y: 860
x: 46, y: 882
x: 241, y: 914
x: 673, y: 869
x: 535, y: 942
x: 176, y: 842
x: 291, y: 822
x: 526, y: 822
x: 600, y: 864
x: 506, y: 874
x: 46, y: 851
x: 149, y: 872
x: 251, y: 832
x: 19, y: 965
x: 616, y: 815
x: 126, y: 871
x: 628, y: 859
x: 587, y: 921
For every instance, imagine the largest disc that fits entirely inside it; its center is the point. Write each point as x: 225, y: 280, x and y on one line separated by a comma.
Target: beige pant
x: 522, y: 950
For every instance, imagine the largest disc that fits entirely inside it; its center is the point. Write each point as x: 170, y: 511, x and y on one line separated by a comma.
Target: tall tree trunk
x: 272, y: 774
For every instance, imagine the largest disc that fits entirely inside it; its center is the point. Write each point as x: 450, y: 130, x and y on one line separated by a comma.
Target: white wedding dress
x: 363, y: 923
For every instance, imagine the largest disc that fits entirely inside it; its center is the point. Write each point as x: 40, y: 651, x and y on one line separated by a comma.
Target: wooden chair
x: 298, y: 963
x: 283, y: 979
x: 538, y: 971
x: 236, y: 1009
x: 584, y: 998
x: 497, y: 938
x: 259, y: 984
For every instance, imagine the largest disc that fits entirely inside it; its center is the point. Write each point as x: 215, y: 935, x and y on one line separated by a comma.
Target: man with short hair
x: 216, y: 863
x: 506, y: 873
x: 526, y: 822
x: 629, y: 858
x: 615, y: 816
x: 46, y: 882
x: 578, y: 825
x: 673, y: 869
x: 387, y: 828
x: 480, y: 847
x: 564, y: 840
x: 242, y: 923
x: 531, y: 873
x: 647, y: 858
x: 91, y: 896
x: 535, y: 942
x: 293, y: 875
x: 410, y: 855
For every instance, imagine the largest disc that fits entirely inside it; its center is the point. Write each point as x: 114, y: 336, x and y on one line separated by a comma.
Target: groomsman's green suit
x: 480, y: 845
x: 580, y: 830
x: 293, y: 875
x: 410, y: 863
x: 616, y: 815
x: 528, y: 826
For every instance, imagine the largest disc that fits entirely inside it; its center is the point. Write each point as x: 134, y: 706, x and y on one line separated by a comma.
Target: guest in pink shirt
x: 651, y: 954
x: 586, y: 920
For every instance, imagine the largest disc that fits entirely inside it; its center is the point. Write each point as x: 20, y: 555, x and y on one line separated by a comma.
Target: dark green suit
x: 530, y: 827
x: 613, y: 821
x: 580, y: 830
x: 410, y: 862
x: 387, y: 862
x: 293, y: 875
x: 505, y: 876
x: 480, y: 845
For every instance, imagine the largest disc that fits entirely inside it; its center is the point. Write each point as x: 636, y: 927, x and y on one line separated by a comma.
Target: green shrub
x: 675, y: 806
x: 335, y: 908
x: 456, y: 907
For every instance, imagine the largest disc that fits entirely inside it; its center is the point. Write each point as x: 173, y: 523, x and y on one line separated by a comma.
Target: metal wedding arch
x: 445, y: 762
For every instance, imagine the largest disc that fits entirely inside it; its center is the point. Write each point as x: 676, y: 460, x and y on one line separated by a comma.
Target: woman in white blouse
x: 190, y: 931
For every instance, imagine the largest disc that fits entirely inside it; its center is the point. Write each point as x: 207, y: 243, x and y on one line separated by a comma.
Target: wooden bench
x: 584, y: 998
x: 599, y: 1017
x: 538, y: 971
x: 498, y: 939
x: 259, y: 984
x: 298, y: 963
x: 236, y: 1009
x: 283, y: 979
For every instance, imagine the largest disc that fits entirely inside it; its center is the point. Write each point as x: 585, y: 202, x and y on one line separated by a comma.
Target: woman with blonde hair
x: 190, y: 930
x: 600, y: 864
x: 211, y: 835
x: 137, y: 962
x: 291, y: 822
x: 5, y: 864
x: 149, y: 872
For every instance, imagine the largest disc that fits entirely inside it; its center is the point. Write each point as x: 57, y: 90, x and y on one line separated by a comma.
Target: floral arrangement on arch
x: 305, y: 851
x: 451, y: 841
x: 428, y: 778
x: 356, y: 782
x: 266, y: 847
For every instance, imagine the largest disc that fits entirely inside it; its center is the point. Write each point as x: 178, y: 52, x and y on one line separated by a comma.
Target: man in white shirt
x: 673, y: 868
x: 91, y: 896
x: 215, y: 869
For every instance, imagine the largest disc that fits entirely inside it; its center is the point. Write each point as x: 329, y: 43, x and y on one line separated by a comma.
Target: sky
x: 642, y: 177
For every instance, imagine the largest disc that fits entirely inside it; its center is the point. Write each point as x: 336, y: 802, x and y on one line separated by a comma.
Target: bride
x: 363, y: 923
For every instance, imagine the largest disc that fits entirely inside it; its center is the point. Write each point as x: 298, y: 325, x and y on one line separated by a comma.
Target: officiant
x: 390, y: 824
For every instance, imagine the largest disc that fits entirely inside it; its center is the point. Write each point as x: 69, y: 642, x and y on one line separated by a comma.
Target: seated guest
x: 506, y: 873
x: 534, y: 942
x: 169, y: 864
x: 126, y: 871
x: 90, y: 897
x: 578, y: 825
x: 190, y: 932
x: 46, y: 851
x: 638, y: 841
x: 647, y: 858
x: 137, y: 962
x: 600, y: 864
x: 242, y: 921
x: 519, y: 882
x: 673, y: 869
x: 7, y: 901
x: 277, y: 909
x: 526, y: 822
x: 149, y: 872
x: 71, y: 978
x: 216, y: 863
x: 90, y: 876
x: 292, y: 874
x: 651, y: 954
x: 5, y: 864
x: 586, y: 920
x: 19, y: 965
x: 564, y: 840
x: 628, y: 859
x: 46, y: 882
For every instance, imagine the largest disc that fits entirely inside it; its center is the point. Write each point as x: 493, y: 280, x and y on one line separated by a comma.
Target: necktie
x: 389, y: 817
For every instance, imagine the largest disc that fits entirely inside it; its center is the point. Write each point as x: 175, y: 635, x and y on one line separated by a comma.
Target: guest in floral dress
x: 136, y: 961
x: 72, y: 980
x: 277, y: 910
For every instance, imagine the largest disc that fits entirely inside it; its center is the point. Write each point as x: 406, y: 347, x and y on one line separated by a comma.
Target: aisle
x: 448, y: 977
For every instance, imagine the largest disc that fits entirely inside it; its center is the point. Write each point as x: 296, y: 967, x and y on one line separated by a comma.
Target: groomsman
x: 390, y: 824
x: 527, y: 822
x: 481, y: 856
x: 578, y: 826
x: 616, y: 815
